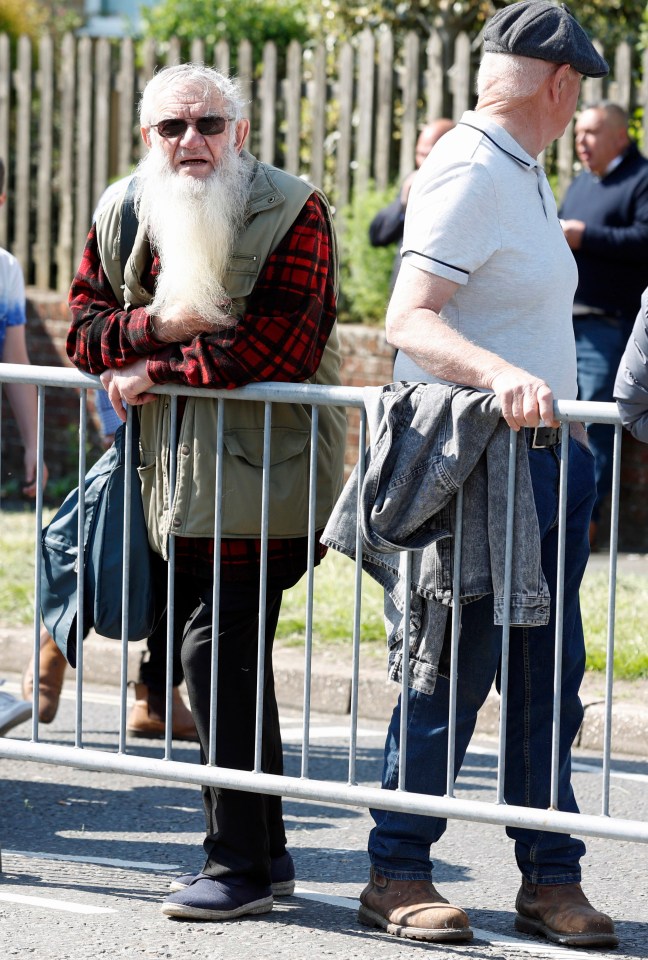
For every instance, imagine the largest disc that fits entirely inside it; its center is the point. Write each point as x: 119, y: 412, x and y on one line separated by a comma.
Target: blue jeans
x: 399, y: 844
x: 600, y: 343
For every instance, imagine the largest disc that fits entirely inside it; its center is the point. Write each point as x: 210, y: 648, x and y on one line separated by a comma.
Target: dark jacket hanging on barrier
x: 427, y: 441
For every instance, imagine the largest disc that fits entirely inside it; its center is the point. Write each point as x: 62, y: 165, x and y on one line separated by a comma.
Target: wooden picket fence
x: 345, y: 115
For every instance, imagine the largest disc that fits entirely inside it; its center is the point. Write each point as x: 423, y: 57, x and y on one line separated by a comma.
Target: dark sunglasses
x: 176, y: 127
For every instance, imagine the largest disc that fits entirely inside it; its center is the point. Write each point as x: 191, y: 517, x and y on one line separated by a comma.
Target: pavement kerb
x: 331, y: 688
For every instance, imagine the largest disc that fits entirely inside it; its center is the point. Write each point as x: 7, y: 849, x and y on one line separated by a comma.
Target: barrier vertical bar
x: 406, y: 563
x: 263, y: 582
x: 454, y: 643
x: 357, y: 604
x: 170, y: 637
x: 83, y: 427
x: 216, y: 583
x: 609, y: 657
x: 38, y: 521
x: 506, y: 614
x: 126, y: 527
x: 560, y: 601
x: 308, y: 639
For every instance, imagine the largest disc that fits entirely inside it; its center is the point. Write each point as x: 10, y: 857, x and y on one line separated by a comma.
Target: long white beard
x: 192, y: 224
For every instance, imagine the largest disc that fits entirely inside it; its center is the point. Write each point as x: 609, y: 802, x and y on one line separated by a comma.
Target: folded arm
x: 280, y: 336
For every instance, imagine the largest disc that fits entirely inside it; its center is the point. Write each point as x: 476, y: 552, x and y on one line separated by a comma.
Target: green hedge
x: 365, y: 271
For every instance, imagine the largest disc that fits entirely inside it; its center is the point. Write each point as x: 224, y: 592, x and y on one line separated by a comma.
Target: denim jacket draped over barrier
x: 428, y: 441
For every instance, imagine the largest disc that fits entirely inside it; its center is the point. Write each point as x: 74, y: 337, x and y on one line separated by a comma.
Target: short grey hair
x: 615, y: 113
x: 511, y: 77
x: 195, y: 77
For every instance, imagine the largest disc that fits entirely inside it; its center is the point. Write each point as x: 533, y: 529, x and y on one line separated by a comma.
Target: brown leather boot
x: 51, y: 671
x: 146, y: 718
x: 412, y: 908
x: 562, y: 913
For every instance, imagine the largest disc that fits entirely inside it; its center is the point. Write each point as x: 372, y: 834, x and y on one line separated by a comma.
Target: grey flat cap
x: 540, y: 29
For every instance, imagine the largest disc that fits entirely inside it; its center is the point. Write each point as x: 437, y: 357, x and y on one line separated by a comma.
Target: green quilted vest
x: 276, y: 199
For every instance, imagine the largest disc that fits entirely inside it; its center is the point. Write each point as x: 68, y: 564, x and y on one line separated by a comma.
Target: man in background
x: 387, y: 226
x: 605, y: 222
x: 23, y: 399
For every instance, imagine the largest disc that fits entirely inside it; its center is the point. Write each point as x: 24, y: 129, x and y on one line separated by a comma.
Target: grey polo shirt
x: 481, y: 213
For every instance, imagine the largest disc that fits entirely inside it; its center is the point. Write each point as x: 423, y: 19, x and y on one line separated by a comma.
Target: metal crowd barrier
x: 353, y: 793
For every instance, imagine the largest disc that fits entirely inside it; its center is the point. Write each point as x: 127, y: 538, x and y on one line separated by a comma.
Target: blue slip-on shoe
x: 282, y: 874
x: 226, y: 899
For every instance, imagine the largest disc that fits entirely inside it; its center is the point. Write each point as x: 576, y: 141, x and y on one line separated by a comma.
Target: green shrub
x: 365, y: 271
x: 258, y: 21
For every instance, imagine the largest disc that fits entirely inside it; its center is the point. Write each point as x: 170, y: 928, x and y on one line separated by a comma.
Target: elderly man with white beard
x: 231, y: 280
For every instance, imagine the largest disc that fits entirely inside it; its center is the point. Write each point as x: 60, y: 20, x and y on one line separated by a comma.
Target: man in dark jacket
x: 605, y: 222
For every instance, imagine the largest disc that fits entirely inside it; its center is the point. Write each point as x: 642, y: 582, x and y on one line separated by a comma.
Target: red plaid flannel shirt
x: 281, y: 336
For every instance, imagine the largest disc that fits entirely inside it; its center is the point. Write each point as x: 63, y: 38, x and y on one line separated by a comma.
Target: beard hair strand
x: 192, y: 223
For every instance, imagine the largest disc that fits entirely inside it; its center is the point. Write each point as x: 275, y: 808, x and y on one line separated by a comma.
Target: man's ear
x: 242, y: 131
x: 558, y: 81
x: 146, y: 136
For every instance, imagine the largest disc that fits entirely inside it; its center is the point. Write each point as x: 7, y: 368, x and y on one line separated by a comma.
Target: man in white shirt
x: 484, y: 299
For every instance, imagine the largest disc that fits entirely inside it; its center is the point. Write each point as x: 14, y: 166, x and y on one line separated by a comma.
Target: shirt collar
x: 499, y: 136
x: 613, y: 164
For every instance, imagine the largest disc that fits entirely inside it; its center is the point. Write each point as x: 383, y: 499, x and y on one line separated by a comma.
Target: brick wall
x: 367, y: 360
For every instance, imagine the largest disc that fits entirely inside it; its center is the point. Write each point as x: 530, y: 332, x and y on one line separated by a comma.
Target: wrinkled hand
x: 526, y: 400
x: 573, y: 230
x: 129, y: 384
x: 29, y: 462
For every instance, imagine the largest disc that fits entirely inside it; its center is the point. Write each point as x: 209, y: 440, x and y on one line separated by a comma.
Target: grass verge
x: 333, y: 613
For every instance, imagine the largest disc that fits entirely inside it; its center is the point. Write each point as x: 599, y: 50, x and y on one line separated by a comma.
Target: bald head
x: 601, y: 134
x: 429, y: 136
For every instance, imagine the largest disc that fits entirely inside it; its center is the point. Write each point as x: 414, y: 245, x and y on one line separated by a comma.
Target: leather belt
x: 542, y: 438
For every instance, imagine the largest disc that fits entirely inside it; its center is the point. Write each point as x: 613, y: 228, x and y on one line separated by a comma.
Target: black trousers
x: 243, y: 830
x: 153, y: 669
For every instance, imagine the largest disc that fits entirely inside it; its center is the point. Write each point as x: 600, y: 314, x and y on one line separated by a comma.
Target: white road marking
x: 487, y: 936
x: 538, y: 949
x: 100, y: 861
x: 291, y: 732
x: 617, y: 774
x: 50, y: 904
x: 329, y: 898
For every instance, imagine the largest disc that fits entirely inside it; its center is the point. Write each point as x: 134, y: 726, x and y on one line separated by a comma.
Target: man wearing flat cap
x: 484, y: 300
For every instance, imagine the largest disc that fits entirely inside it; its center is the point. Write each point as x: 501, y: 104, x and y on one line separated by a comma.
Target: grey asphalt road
x: 87, y: 858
